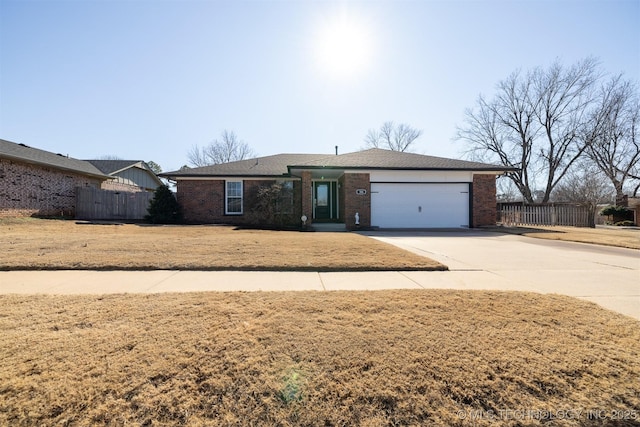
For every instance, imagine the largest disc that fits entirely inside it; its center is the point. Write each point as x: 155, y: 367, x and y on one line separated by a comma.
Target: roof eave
x: 469, y: 169
x: 49, y: 165
x: 226, y: 175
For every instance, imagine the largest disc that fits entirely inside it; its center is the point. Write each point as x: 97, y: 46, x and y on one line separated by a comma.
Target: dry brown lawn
x: 609, y: 236
x: 56, y: 244
x: 410, y: 357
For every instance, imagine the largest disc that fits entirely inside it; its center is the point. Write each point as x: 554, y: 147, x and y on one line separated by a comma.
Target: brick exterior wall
x: 203, y: 202
x: 306, y: 195
x: 484, y: 200
x: 353, y: 202
x: 32, y: 190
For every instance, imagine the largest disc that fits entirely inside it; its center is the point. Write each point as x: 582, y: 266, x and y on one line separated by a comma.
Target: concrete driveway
x: 483, y: 260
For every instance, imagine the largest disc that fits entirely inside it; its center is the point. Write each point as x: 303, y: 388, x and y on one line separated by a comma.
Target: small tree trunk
x: 592, y: 215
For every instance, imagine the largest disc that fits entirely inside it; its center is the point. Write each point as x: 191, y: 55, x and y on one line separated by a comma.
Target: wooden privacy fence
x: 519, y: 214
x: 92, y: 203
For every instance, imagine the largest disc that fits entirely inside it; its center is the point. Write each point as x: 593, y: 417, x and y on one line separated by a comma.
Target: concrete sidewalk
x: 622, y: 300
x: 477, y: 259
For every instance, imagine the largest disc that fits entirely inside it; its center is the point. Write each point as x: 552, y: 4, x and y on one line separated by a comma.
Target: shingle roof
x: 20, y: 152
x: 375, y: 158
x: 269, y: 166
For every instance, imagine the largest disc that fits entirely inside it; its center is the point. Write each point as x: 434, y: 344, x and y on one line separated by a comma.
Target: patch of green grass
x: 292, y: 386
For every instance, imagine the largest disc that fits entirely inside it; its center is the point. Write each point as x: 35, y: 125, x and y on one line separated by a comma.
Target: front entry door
x: 321, y: 196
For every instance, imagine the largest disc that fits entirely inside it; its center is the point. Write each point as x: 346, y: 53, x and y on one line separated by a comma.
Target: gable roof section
x: 23, y: 153
x: 269, y: 166
x: 114, y: 167
x: 376, y: 158
x: 109, y: 167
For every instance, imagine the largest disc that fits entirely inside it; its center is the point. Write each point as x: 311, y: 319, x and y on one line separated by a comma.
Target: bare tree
x: 392, y: 137
x: 506, y: 191
x: 504, y: 130
x: 564, y: 96
x: 533, y: 124
x: 224, y: 150
x: 636, y: 177
x: 586, y: 186
x: 612, y: 133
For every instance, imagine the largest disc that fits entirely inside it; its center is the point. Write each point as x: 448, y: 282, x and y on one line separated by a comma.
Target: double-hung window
x: 233, y: 198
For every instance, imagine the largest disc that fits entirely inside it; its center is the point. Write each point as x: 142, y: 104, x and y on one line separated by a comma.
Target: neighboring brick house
x: 129, y: 175
x: 370, y: 188
x: 35, y: 182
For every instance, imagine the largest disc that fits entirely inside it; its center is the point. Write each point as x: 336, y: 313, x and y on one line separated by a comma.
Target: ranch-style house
x: 374, y: 188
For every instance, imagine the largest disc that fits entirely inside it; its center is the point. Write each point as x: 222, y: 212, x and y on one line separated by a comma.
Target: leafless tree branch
x: 392, y: 137
x: 612, y: 133
x: 224, y: 150
x: 534, y: 123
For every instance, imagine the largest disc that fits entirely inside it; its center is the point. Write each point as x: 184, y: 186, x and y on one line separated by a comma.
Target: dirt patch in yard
x: 55, y: 244
x: 410, y: 357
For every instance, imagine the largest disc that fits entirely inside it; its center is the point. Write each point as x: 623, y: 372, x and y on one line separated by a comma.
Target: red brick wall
x: 484, y: 200
x: 306, y: 194
x: 356, y: 203
x: 203, y: 201
x: 32, y: 190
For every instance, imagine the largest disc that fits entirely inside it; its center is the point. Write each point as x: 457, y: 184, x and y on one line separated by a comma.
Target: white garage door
x: 419, y: 205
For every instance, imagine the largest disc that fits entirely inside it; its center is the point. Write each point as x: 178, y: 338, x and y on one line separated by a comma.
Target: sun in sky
x: 343, y: 46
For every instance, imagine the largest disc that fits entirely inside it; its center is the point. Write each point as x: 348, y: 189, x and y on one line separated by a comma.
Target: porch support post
x: 356, y: 200
x: 307, y: 196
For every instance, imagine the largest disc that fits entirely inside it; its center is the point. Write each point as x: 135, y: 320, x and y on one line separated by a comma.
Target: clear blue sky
x: 148, y: 80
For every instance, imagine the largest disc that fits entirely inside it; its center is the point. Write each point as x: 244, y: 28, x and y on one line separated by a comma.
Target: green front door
x: 322, y: 198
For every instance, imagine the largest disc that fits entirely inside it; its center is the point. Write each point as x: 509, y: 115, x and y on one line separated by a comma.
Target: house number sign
x: 361, y: 191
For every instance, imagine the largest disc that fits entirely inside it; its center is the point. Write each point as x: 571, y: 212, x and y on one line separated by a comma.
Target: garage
x: 419, y: 205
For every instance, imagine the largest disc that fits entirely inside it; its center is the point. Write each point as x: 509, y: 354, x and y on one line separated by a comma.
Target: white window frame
x: 227, y: 197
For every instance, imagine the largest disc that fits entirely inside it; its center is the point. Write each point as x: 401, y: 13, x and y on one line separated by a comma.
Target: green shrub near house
x: 164, y: 208
x: 618, y: 215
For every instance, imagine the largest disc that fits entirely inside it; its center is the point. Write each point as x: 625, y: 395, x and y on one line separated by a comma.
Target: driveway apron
x: 608, y: 276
